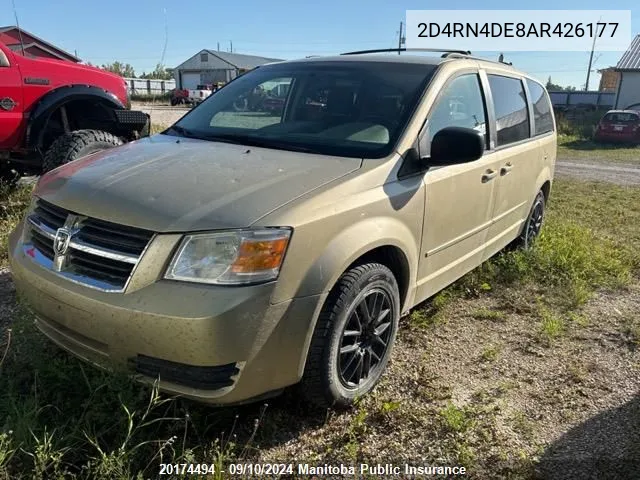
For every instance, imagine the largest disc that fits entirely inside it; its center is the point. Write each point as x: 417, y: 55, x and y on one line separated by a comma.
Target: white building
x: 212, y: 66
x: 628, y: 93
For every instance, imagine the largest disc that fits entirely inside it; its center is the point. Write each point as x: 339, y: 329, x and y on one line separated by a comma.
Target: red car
x: 619, y: 126
x: 54, y: 111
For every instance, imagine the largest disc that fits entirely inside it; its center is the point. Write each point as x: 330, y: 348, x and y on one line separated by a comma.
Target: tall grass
x: 578, y: 124
x: 567, y: 263
x: 13, y: 203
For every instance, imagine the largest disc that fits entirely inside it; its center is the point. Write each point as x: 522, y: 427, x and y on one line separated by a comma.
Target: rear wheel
x: 74, y: 145
x: 353, y: 338
x: 533, y: 224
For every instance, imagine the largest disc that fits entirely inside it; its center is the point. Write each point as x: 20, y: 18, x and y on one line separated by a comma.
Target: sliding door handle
x: 489, y: 175
x: 506, y: 169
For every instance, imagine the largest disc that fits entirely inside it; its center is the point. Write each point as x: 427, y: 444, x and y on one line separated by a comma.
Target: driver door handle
x: 489, y: 175
x: 506, y: 169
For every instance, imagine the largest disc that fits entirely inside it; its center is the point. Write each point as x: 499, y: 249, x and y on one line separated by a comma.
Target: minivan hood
x: 174, y: 184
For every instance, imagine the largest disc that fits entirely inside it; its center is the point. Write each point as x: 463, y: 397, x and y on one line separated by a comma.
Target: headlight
x: 228, y: 258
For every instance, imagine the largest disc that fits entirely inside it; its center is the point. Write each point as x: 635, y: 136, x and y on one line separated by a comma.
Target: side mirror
x: 453, y: 145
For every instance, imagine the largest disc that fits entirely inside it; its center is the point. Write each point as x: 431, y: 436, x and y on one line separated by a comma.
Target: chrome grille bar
x: 87, y: 251
x: 83, y: 246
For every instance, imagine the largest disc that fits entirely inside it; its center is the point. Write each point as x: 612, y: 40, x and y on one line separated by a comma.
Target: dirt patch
x: 484, y: 390
x: 164, y: 115
x: 621, y: 174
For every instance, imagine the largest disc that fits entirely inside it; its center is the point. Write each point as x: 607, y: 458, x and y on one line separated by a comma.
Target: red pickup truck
x: 55, y: 111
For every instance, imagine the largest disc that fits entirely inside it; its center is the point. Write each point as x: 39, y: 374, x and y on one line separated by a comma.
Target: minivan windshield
x: 345, y: 108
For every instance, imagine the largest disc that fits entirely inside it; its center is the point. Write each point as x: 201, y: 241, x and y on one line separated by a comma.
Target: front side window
x: 345, y: 108
x: 512, y: 117
x: 461, y: 104
x: 542, y: 111
x: 4, y: 61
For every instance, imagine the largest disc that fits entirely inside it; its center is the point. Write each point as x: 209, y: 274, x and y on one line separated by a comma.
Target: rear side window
x: 542, y: 112
x: 621, y: 117
x: 512, y: 117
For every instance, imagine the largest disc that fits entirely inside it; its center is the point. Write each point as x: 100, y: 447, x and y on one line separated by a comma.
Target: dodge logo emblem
x: 7, y: 103
x: 61, y: 241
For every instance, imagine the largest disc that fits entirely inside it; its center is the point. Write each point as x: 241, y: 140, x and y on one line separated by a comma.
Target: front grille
x: 205, y: 378
x: 100, y: 254
x: 52, y: 216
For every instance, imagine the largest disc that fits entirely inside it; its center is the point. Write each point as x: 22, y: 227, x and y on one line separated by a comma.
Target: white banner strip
x: 519, y: 30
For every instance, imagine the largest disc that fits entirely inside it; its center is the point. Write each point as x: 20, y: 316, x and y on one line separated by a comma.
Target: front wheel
x: 73, y: 145
x: 353, y: 337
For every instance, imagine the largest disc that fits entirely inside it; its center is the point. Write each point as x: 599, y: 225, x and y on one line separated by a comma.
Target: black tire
x: 325, y: 382
x: 74, y: 145
x: 8, y: 176
x: 174, y: 102
x: 533, y: 224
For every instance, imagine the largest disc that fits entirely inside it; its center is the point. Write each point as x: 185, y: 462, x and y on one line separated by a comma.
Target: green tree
x: 160, y: 73
x: 554, y: 87
x: 122, y: 69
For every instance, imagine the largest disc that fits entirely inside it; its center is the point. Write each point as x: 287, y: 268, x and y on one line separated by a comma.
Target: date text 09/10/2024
x: 307, y: 469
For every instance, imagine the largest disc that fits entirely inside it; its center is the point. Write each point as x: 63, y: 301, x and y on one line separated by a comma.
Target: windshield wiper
x: 183, y: 132
x: 252, y: 140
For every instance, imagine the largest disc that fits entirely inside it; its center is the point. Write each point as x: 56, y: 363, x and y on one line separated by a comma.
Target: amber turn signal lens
x: 256, y: 255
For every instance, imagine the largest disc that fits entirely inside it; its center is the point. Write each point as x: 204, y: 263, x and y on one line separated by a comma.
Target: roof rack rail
x: 398, y: 50
x: 471, y: 57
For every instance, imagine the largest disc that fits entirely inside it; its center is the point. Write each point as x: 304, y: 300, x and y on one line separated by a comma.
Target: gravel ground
x: 162, y: 114
x: 620, y: 173
x: 573, y: 406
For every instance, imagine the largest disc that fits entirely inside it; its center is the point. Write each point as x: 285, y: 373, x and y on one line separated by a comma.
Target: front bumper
x: 133, y: 120
x: 212, y: 344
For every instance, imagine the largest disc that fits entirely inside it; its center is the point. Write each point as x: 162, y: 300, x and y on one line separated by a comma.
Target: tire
x: 174, y: 102
x: 330, y: 376
x: 73, y: 145
x: 533, y: 224
x: 241, y: 105
x: 8, y: 176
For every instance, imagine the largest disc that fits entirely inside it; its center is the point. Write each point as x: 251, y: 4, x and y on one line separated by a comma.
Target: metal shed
x: 628, y: 94
x: 211, y: 66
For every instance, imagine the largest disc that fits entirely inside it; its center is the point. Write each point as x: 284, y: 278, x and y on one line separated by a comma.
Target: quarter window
x: 512, y: 117
x: 542, y: 112
x: 460, y: 105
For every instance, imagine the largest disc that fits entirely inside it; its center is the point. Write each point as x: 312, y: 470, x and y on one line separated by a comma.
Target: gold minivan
x: 276, y: 233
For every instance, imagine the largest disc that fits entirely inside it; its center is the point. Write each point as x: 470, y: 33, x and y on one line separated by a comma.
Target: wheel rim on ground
x: 365, y: 339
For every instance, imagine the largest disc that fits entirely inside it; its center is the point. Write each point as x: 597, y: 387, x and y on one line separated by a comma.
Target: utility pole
x: 231, y: 45
x: 400, y: 38
x: 593, y: 47
x: 218, y: 46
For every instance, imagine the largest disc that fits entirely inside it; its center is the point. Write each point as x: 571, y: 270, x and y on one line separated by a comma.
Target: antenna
x: 15, y: 13
x: 164, y: 51
x: 400, y: 39
x: 593, y: 47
